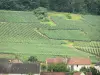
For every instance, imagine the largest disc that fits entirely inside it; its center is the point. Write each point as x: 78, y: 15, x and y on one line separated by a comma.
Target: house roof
x: 55, y: 60
x: 79, y: 61
x: 20, y: 68
x: 16, y: 61
x: 25, y: 68
x: 4, y: 60
x: 98, y: 64
x: 53, y: 73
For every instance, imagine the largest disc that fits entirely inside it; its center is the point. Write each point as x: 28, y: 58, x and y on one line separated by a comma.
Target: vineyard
x: 89, y: 26
x: 65, y: 34
x: 22, y: 33
x: 90, y: 47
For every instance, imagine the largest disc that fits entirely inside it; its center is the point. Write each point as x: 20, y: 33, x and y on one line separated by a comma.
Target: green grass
x: 42, y: 49
x: 89, y: 47
x: 89, y: 24
x: 17, y: 16
x: 65, y: 34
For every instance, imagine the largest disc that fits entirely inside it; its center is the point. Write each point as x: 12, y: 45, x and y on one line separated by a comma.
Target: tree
x: 43, y: 67
x: 41, y: 14
x: 58, y: 68
x: 32, y: 59
x: 75, y: 6
x: 19, y: 4
x: 91, y: 69
x: 84, y: 69
x: 44, y: 3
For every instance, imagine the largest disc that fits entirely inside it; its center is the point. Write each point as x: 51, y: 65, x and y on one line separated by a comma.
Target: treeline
x: 82, y: 6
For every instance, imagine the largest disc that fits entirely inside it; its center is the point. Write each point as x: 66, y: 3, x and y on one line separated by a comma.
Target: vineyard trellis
x: 90, y: 47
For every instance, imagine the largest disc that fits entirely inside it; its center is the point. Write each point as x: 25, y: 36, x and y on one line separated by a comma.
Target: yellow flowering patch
x: 76, y: 17
x: 49, y: 23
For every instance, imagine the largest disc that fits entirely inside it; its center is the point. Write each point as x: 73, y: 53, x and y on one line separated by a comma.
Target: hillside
x: 22, y: 33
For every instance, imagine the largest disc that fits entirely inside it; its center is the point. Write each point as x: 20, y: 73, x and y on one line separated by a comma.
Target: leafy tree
x: 91, y: 69
x: 68, y: 16
x: 41, y: 14
x: 32, y: 59
x: 44, y: 3
x: 58, y: 68
x: 43, y: 67
x: 94, y: 71
x: 75, y: 6
x: 84, y: 69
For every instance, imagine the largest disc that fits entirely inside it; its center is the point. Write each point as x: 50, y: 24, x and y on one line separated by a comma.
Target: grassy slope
x: 65, y: 34
x: 22, y: 37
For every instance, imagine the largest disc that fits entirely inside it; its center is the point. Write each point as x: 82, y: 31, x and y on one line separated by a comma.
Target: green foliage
x: 84, y: 69
x: 44, y: 3
x: 94, y: 71
x: 19, y: 4
x: 30, y: 74
x: 19, y: 33
x: 32, y: 59
x: 64, y: 34
x: 41, y: 11
x: 41, y: 14
x: 90, y: 47
x: 68, y: 16
x: 43, y: 67
x: 91, y: 69
x: 86, y: 25
x: 83, y: 6
x: 58, y: 68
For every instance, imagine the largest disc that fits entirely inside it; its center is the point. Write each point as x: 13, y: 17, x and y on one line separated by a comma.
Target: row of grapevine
x: 88, y: 26
x: 90, y: 47
x: 65, y: 34
x: 19, y: 31
x: 15, y: 16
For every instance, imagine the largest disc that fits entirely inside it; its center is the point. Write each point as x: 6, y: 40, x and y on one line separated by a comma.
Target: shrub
x: 68, y: 16
x: 84, y: 69
x: 91, y: 69
x: 40, y: 11
x: 43, y: 67
x: 41, y: 14
x: 58, y: 68
x: 32, y: 59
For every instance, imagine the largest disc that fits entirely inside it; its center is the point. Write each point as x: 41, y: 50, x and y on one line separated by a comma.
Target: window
x: 77, y: 65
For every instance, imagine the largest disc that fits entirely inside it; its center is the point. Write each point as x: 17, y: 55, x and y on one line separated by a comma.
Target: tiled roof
x: 52, y: 73
x: 55, y: 60
x: 16, y: 61
x: 98, y: 64
x: 20, y: 68
x: 79, y: 61
x: 4, y: 60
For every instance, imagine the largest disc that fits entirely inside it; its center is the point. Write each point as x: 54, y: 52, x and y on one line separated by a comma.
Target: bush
x: 58, y: 68
x: 43, y: 67
x: 40, y: 11
x: 32, y: 59
x: 84, y: 69
x: 41, y: 14
x: 91, y: 69
x: 46, y: 19
x: 68, y: 16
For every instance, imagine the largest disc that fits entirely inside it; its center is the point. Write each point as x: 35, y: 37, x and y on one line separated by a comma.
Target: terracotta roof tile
x: 54, y: 60
x: 79, y: 61
x: 52, y: 73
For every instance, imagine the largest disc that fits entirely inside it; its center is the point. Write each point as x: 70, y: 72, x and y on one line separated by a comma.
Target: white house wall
x: 97, y: 67
x: 77, y: 68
